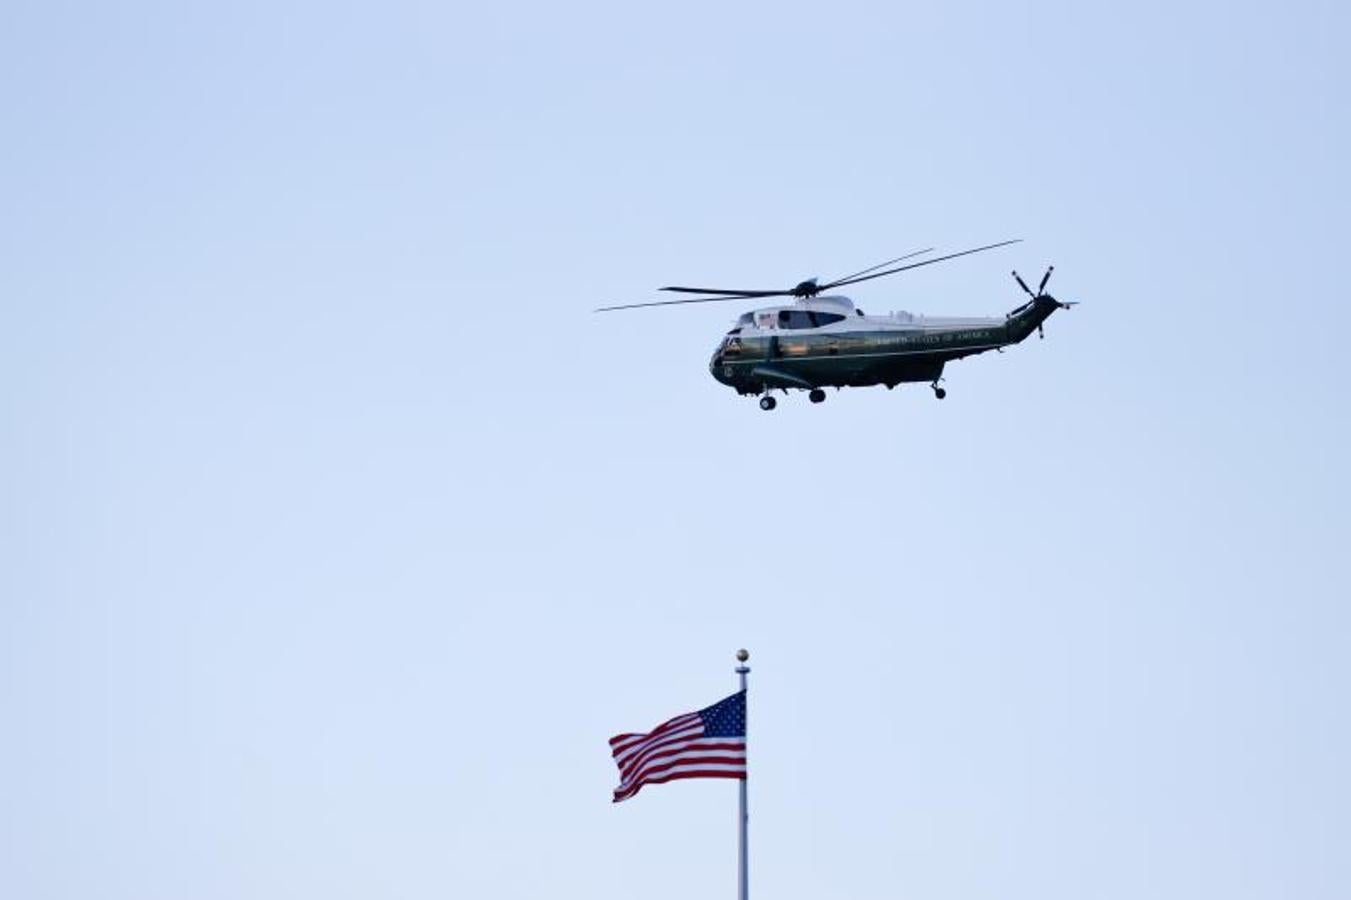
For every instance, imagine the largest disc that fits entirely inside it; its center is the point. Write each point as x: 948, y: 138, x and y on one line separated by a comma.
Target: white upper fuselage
x: 835, y: 314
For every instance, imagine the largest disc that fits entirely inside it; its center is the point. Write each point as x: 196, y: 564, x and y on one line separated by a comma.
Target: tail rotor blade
x: 1041, y: 288
x: 1022, y: 284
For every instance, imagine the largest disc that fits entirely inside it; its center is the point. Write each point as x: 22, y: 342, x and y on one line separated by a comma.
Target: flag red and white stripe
x: 693, y: 745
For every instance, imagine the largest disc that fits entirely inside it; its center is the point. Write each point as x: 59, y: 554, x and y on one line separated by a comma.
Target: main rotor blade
x: 927, y: 262
x: 729, y: 293
x: 678, y: 302
x: 878, y: 266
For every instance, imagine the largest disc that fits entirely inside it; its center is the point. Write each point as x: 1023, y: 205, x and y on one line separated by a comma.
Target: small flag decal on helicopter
x: 710, y: 743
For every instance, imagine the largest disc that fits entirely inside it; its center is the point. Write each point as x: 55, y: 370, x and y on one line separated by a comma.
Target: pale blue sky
x: 338, y: 534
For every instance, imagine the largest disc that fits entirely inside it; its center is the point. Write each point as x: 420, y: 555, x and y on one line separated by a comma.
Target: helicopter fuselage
x: 827, y: 342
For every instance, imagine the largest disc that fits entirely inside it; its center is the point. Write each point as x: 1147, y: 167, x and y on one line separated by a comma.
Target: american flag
x: 710, y: 743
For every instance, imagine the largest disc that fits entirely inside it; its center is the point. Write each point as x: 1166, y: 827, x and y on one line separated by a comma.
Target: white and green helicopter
x: 825, y: 341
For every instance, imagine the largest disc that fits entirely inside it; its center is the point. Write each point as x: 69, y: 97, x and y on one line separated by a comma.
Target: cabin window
x: 806, y: 318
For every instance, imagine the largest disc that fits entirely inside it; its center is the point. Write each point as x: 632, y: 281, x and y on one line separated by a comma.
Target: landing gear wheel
x: 939, y: 392
x: 817, y: 396
x: 767, y: 403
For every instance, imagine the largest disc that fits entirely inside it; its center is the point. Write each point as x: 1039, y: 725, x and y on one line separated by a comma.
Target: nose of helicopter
x: 715, y: 367
x: 722, y: 365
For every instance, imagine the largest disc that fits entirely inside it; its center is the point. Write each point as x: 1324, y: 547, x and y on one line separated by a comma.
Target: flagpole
x: 743, y: 882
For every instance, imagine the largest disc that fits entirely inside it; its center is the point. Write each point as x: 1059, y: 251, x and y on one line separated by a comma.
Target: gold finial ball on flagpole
x: 743, y: 654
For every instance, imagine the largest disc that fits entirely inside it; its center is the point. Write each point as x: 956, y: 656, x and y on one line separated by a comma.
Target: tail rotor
x: 1041, y: 289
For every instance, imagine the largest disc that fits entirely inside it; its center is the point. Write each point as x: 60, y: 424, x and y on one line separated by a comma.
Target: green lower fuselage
x: 864, y: 350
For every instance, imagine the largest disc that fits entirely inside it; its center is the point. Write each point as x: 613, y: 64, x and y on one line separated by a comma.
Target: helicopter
x: 823, y: 340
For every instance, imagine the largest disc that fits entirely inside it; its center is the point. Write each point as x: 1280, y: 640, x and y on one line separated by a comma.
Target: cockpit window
x: 746, y: 319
